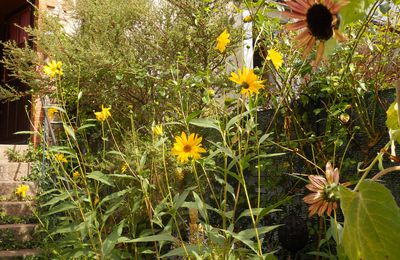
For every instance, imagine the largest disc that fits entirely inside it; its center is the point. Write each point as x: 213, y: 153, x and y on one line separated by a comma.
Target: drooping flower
x: 325, y: 192
x: 248, y: 81
x: 53, y: 68
x: 124, y: 167
x: 60, y: 158
x: 186, y: 148
x: 276, y: 58
x: 318, y: 20
x: 222, y: 41
x: 51, y: 113
x: 157, y: 129
x: 76, y: 175
x: 103, y: 114
x: 21, y: 190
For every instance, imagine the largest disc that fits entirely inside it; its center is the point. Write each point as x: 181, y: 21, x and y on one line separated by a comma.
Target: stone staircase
x: 16, y: 236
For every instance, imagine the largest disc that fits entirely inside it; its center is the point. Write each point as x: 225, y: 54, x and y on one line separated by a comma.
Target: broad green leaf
x: 68, y: 129
x: 101, y: 177
x: 154, y: 238
x: 392, y: 121
x: 60, y: 208
x: 56, y: 199
x: 372, y: 226
x: 205, y: 123
x: 85, y: 126
x: 354, y: 11
x: 112, y: 239
x: 180, y: 251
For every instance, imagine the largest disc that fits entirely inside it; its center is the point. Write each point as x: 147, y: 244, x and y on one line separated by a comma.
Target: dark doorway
x: 14, y: 15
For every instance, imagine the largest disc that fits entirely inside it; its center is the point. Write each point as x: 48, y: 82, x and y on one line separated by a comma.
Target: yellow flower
x: 60, y: 158
x: 21, y: 190
x: 187, y: 147
x: 276, y: 58
x: 50, y: 113
x: 103, y: 114
x: 53, y: 68
x: 222, y: 41
x: 157, y: 129
x: 247, y: 19
x: 248, y: 81
x: 76, y: 175
x: 124, y: 167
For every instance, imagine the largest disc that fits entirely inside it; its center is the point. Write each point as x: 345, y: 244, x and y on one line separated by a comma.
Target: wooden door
x: 14, y: 115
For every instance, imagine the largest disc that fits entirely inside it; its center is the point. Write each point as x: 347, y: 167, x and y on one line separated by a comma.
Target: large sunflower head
x: 248, y: 81
x: 318, y: 20
x: 186, y: 148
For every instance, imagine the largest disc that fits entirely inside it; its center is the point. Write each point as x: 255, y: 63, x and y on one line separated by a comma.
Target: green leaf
x: 180, y: 251
x: 392, y: 121
x: 60, y: 208
x: 101, y: 177
x: 372, y: 226
x: 56, y: 199
x: 68, y: 129
x: 154, y: 238
x: 354, y: 11
x: 205, y: 123
x: 112, y: 239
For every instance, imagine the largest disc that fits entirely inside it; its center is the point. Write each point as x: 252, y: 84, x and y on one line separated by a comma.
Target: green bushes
x: 163, y: 153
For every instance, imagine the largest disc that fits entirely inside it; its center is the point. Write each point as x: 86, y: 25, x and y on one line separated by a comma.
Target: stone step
x: 16, y: 254
x: 16, y: 208
x: 15, y: 147
x: 14, y: 171
x: 20, y: 232
x: 7, y: 189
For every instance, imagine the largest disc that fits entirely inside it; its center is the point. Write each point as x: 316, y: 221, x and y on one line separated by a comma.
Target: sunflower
x: 103, y: 114
x: 186, y: 148
x: 318, y: 20
x: 275, y: 57
x: 53, y: 68
x: 222, y: 41
x: 248, y: 81
x: 325, y: 192
x: 21, y: 190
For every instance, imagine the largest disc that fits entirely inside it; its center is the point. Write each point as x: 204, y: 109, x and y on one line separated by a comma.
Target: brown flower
x: 318, y: 20
x: 325, y: 192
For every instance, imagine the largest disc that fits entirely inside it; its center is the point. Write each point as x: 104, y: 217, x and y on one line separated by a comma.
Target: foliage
x: 134, y: 79
x: 371, y: 227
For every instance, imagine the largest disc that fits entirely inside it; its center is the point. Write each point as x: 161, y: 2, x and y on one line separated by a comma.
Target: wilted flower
x: 186, y: 148
x: 157, y: 129
x: 248, y: 81
x: 124, y: 167
x: 60, y: 158
x: 325, y: 192
x: 276, y: 58
x: 103, y: 114
x: 53, y: 68
x: 320, y: 19
x: 21, y: 190
x: 222, y: 41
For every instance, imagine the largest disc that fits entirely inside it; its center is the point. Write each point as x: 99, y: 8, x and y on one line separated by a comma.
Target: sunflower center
x: 319, y: 21
x: 245, y: 85
x: 331, y: 192
x: 187, y: 148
